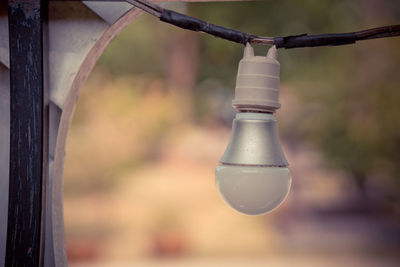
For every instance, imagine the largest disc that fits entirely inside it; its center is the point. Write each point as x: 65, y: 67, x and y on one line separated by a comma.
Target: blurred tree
x: 181, y: 59
x: 351, y: 107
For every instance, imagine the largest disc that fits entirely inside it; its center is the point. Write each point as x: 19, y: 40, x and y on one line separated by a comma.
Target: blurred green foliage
x: 349, y: 95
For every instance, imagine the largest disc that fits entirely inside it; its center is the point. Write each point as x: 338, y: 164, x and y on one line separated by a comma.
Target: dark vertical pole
x: 24, y: 230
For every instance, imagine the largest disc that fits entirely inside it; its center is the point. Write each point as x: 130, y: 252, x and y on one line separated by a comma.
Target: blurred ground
x: 301, y: 261
x: 164, y: 209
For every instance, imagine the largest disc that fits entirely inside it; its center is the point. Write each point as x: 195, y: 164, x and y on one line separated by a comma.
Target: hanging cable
x: 291, y: 41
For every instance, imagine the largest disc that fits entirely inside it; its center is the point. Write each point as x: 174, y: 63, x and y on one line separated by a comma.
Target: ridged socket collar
x: 257, y: 83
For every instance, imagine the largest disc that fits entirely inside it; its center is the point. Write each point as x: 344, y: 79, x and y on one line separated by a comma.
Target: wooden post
x: 24, y: 231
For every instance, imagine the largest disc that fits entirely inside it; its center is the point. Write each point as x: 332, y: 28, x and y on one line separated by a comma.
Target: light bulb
x: 253, y: 175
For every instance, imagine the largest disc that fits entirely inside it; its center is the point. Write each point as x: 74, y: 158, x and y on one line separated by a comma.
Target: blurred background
x: 155, y: 117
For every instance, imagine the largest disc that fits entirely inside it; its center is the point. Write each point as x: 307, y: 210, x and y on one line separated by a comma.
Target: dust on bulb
x: 253, y: 190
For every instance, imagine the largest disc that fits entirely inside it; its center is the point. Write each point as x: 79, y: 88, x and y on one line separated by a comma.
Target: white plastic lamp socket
x: 253, y: 175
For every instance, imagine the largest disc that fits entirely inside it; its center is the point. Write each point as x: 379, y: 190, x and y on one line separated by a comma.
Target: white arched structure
x: 75, y: 35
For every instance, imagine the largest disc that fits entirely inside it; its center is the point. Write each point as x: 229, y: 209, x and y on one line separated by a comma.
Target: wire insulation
x: 287, y: 42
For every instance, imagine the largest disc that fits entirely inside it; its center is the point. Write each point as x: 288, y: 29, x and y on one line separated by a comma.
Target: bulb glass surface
x: 253, y: 190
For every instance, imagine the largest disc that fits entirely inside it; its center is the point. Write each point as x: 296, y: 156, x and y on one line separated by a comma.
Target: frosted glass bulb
x: 253, y: 190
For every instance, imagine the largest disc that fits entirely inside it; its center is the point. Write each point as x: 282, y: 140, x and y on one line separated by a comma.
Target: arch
x: 91, y: 27
x: 74, y: 36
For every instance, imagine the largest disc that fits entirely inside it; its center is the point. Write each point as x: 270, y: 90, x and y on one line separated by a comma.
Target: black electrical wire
x: 194, y: 24
x: 292, y: 41
x: 332, y: 39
